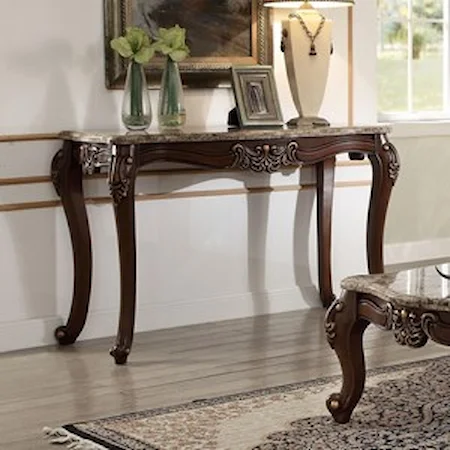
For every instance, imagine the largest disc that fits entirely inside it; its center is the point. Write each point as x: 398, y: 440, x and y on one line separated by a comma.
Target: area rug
x: 403, y: 407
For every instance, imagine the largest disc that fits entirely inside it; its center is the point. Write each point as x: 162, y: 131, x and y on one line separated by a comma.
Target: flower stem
x: 136, y: 90
x: 172, y: 106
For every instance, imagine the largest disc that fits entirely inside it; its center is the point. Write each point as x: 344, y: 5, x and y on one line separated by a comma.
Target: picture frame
x: 257, y: 102
x: 207, y: 30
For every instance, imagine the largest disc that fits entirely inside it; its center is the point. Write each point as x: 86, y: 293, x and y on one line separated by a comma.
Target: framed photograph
x: 257, y: 102
x: 219, y: 33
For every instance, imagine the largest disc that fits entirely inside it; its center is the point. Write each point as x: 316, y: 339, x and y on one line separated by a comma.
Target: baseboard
x: 416, y: 253
x: 29, y: 333
x: 39, y: 332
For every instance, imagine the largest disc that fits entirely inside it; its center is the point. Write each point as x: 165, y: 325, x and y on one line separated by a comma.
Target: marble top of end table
x: 214, y: 134
x: 421, y: 287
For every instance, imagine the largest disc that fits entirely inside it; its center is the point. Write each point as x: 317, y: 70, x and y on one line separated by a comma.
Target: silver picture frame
x: 198, y: 72
x: 256, y: 95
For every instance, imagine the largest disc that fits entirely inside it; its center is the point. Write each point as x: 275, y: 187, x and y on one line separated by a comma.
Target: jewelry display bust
x: 307, y: 45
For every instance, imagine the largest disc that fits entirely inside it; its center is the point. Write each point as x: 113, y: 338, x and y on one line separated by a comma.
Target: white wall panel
x: 365, y: 61
x: 28, y: 265
x: 26, y: 159
x: 237, y: 255
x: 24, y: 193
x: 187, y: 183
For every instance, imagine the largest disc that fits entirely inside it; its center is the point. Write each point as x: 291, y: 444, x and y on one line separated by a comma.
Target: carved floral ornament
x: 265, y: 157
x: 97, y: 156
x: 120, y: 174
x: 336, y: 307
x: 414, y: 329
x: 408, y: 330
x: 411, y: 328
x: 394, y: 160
x: 94, y: 156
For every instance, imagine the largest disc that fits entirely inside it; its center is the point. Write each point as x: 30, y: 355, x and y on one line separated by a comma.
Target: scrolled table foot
x: 120, y: 354
x: 344, y: 328
x: 337, y: 408
x: 63, y: 336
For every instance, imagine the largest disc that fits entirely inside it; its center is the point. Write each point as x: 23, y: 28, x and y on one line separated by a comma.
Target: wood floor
x: 53, y: 386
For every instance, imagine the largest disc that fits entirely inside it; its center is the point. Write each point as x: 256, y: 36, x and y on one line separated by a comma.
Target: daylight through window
x: 413, y: 59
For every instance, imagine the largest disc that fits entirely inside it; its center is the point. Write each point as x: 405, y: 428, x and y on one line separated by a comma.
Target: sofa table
x: 414, y: 303
x: 257, y: 150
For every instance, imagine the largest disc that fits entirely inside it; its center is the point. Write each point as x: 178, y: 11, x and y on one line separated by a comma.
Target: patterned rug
x: 403, y: 407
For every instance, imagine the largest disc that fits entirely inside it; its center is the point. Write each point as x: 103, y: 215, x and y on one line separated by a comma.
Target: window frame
x: 423, y: 116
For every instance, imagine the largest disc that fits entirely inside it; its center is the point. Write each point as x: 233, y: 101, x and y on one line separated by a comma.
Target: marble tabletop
x: 214, y: 134
x: 421, y: 287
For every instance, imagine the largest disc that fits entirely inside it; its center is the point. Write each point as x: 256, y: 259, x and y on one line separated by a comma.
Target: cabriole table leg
x: 344, y: 329
x: 67, y: 179
x: 122, y: 181
x: 385, y: 168
x: 325, y: 190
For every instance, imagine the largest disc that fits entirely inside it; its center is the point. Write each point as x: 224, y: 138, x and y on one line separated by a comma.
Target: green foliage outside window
x: 426, y: 71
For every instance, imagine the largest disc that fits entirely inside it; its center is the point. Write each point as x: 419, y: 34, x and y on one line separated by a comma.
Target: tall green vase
x: 171, y: 111
x: 136, y: 107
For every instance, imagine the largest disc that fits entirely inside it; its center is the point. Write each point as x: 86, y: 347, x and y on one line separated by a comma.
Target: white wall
x: 200, y: 258
x: 54, y: 75
x: 418, y: 225
x: 418, y: 221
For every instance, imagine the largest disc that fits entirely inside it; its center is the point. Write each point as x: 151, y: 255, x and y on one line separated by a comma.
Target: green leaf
x: 172, y: 37
x: 144, y: 55
x: 178, y: 55
x: 147, y: 41
x: 163, y: 48
x: 135, y: 44
x: 162, y: 33
x: 122, y: 47
x: 135, y: 36
x: 136, y: 30
x: 172, y: 42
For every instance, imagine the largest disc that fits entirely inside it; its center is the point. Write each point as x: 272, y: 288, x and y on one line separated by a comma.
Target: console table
x: 257, y: 150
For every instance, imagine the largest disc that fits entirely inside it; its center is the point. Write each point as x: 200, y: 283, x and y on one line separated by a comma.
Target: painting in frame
x: 220, y: 34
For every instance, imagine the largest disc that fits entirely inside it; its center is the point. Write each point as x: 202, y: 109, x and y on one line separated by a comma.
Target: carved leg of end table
x: 344, y: 329
x: 385, y: 168
x: 67, y: 179
x: 325, y: 189
x: 122, y: 180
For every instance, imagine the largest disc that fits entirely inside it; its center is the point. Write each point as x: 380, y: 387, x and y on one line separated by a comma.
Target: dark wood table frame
x: 414, y: 321
x: 258, y: 151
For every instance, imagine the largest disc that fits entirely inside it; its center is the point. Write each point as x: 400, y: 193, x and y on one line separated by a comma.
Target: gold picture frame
x: 257, y: 102
x: 206, y: 70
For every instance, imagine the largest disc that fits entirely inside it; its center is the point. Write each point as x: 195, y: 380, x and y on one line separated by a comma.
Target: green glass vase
x: 171, y: 112
x: 136, y: 107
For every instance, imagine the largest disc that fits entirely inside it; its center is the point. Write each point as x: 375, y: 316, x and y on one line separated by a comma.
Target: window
x: 413, y: 74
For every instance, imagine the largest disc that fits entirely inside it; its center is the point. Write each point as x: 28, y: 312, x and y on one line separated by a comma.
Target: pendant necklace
x: 312, y: 37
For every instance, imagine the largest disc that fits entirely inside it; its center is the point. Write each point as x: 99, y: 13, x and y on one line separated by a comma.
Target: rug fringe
x: 63, y: 437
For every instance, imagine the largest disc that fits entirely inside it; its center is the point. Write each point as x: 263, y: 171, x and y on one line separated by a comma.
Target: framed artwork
x: 219, y: 33
x: 257, y: 102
